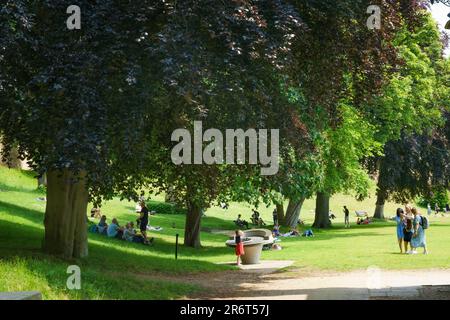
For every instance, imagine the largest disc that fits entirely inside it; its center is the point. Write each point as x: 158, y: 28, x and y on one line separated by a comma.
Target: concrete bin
x: 253, y: 241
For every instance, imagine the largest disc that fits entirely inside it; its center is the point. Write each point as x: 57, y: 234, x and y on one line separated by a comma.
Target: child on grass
x: 239, y: 246
x: 276, y: 231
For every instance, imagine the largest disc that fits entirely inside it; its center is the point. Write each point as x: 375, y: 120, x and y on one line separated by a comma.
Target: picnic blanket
x: 150, y: 228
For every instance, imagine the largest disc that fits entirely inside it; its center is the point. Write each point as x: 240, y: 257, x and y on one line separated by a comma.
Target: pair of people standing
x: 411, y: 230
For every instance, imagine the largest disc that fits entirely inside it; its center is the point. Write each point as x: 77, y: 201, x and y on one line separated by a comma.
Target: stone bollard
x: 21, y: 295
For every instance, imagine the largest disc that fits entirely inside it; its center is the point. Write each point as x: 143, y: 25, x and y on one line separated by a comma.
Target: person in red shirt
x: 239, y: 246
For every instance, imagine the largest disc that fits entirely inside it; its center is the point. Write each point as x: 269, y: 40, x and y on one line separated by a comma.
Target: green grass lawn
x: 114, y: 268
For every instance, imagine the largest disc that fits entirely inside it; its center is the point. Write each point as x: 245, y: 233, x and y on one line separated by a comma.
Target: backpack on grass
x: 424, y: 222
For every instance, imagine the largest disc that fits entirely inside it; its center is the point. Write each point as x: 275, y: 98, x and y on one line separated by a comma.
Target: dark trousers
x: 119, y: 234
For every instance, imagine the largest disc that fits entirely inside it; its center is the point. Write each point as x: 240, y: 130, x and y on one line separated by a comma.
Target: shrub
x: 165, y: 208
x: 439, y: 196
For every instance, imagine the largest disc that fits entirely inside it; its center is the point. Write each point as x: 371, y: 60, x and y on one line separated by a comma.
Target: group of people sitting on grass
x: 366, y: 220
x: 411, y: 226
x: 438, y: 210
x: 255, y: 219
x: 127, y: 232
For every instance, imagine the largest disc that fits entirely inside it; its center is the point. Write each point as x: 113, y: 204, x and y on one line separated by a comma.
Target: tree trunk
x: 42, y: 180
x: 65, y: 215
x: 322, y: 219
x: 192, y: 229
x: 379, y: 208
x: 293, y: 212
x: 280, y: 214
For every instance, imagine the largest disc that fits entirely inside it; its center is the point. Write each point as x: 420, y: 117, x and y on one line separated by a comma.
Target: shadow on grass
x: 100, y: 270
x: 20, y: 238
x: 24, y: 173
x: 9, y: 188
x: 25, y: 213
x: 161, y: 245
x: 108, y: 253
x: 49, y: 276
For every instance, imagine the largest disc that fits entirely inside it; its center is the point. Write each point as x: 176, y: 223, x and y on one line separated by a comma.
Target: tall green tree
x: 413, y: 105
x: 330, y: 62
x: 342, y: 150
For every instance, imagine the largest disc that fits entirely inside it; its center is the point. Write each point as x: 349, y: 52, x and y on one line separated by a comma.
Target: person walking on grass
x: 418, y: 238
x: 239, y: 246
x: 429, y: 209
x: 346, y: 217
x: 400, y: 219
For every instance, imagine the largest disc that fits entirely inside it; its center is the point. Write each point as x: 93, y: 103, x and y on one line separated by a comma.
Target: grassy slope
x: 112, y: 267
x: 111, y: 270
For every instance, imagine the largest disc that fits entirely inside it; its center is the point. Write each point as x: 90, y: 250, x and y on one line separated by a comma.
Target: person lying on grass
x: 292, y: 233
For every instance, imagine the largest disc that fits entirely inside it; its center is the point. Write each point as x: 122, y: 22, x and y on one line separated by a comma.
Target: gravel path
x: 367, y: 284
x: 270, y: 284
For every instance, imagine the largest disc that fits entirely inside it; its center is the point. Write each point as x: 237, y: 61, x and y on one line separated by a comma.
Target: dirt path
x: 366, y: 284
x: 311, y: 285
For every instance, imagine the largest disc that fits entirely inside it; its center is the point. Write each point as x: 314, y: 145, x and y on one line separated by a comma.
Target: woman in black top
x: 239, y: 249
